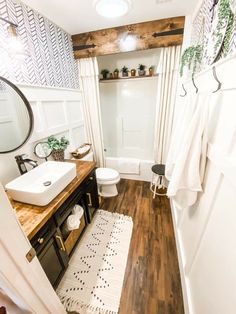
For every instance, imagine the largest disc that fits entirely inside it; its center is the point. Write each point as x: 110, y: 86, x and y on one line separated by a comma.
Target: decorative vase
x: 125, y: 74
x: 111, y: 76
x: 133, y: 72
x: 116, y: 75
x: 151, y: 71
x: 58, y: 155
x: 141, y: 72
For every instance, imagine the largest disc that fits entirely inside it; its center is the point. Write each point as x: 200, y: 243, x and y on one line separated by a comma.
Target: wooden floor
x: 152, y: 281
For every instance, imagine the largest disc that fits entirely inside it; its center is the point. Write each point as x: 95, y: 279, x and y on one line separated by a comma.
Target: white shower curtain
x: 166, y: 94
x: 89, y: 82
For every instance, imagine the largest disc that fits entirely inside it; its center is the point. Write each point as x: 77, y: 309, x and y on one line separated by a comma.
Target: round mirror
x: 16, y: 117
x: 42, y: 150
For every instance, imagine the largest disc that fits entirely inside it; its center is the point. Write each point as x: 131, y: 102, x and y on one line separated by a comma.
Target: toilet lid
x: 106, y: 174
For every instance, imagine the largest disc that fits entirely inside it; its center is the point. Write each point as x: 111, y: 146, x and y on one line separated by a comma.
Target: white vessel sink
x: 42, y: 184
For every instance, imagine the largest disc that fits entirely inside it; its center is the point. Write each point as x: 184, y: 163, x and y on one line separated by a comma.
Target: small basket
x: 77, y: 155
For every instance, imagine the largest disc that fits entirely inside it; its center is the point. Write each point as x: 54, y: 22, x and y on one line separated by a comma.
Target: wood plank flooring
x: 152, y: 280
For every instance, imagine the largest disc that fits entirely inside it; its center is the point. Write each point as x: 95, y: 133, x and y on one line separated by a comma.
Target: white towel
x: 78, y: 210
x: 189, y: 169
x: 73, y: 221
x: 129, y: 165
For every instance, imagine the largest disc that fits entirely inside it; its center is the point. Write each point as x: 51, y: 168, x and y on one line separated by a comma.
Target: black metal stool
x: 158, y: 179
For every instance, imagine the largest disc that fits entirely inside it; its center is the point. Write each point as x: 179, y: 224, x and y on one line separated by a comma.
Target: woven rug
x: 93, y: 281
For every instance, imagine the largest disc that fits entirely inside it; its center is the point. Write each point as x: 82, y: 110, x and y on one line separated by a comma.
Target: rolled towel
x: 72, y: 222
x: 78, y: 211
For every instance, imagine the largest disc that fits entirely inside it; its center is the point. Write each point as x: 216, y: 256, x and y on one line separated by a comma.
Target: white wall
x: 205, y: 233
x: 56, y: 111
x: 130, y: 59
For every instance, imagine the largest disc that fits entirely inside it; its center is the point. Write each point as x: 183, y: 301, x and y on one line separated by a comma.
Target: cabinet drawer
x: 91, y: 179
x: 74, y: 236
x: 43, y: 236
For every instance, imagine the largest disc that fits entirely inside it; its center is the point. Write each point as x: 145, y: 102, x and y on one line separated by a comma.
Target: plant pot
x: 133, y: 72
x: 151, y: 72
x: 116, y: 75
x: 58, y: 155
x: 111, y: 76
x: 104, y: 76
x: 125, y: 74
x: 141, y: 72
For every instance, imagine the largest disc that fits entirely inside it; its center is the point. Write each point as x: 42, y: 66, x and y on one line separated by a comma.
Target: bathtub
x: 145, y: 169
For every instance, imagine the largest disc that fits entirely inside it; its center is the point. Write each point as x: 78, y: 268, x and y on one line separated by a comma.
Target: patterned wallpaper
x: 202, y: 26
x: 49, y: 56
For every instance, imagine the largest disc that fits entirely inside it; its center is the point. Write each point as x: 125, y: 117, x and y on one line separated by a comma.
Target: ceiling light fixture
x: 112, y: 8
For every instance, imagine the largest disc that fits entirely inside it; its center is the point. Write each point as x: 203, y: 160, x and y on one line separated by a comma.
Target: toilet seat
x: 107, y: 175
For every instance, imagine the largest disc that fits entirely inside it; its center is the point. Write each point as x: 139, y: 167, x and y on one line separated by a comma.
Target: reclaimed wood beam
x: 140, y: 36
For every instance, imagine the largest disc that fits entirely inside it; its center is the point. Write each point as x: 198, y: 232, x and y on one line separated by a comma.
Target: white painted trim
x: 188, y: 308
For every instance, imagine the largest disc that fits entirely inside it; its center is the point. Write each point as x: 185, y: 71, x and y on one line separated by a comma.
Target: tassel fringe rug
x: 93, y: 281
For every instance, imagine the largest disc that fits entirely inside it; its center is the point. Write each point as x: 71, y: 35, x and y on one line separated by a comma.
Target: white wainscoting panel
x: 206, y: 232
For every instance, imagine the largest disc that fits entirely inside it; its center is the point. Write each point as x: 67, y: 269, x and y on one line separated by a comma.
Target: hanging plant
x: 192, y: 56
x: 225, y: 15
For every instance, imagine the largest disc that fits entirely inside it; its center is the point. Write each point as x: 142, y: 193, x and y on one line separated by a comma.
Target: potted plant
x: 141, y: 70
x: 105, y: 73
x: 151, y: 70
x: 58, y: 147
x: 133, y: 72
x: 125, y: 71
x: 116, y: 73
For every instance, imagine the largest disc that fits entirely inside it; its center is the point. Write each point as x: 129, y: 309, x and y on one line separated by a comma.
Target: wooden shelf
x: 127, y: 78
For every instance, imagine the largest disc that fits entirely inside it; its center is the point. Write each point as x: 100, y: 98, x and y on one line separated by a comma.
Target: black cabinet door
x: 51, y: 259
x: 91, y: 196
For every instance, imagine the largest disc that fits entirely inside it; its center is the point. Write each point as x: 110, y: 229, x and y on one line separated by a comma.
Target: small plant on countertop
x: 141, y: 70
x: 105, y: 73
x: 58, y: 147
x: 192, y: 56
x: 125, y: 71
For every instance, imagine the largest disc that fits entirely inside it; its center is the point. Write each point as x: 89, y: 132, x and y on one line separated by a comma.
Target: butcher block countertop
x: 33, y: 218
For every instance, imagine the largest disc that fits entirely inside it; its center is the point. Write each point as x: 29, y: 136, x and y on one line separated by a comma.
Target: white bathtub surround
x: 129, y: 165
x: 166, y: 96
x: 145, y: 173
x: 94, y: 278
x: 89, y: 82
x: 188, y: 172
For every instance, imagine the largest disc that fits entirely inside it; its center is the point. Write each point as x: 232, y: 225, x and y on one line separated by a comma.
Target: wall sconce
x: 13, y: 44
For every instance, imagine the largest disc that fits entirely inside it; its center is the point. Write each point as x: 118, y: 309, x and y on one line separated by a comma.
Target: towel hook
x: 217, y: 80
x: 194, y: 84
x: 185, y: 92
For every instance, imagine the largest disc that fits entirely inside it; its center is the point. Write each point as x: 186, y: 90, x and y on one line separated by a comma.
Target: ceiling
x: 79, y: 16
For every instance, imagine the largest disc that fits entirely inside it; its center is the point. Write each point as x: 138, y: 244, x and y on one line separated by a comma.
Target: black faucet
x: 21, y: 160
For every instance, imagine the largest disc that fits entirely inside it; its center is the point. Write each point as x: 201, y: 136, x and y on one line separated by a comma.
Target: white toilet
x: 107, y: 179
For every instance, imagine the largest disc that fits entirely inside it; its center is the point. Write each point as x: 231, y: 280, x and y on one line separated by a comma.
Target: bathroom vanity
x: 45, y: 225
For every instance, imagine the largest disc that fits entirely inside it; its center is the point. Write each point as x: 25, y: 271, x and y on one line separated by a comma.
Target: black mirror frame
x: 30, y: 112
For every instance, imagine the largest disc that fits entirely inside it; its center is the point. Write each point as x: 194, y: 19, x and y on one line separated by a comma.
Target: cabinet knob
x: 91, y: 178
x: 40, y: 240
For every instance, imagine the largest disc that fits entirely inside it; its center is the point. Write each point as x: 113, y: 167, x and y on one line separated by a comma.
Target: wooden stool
x: 157, y: 179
